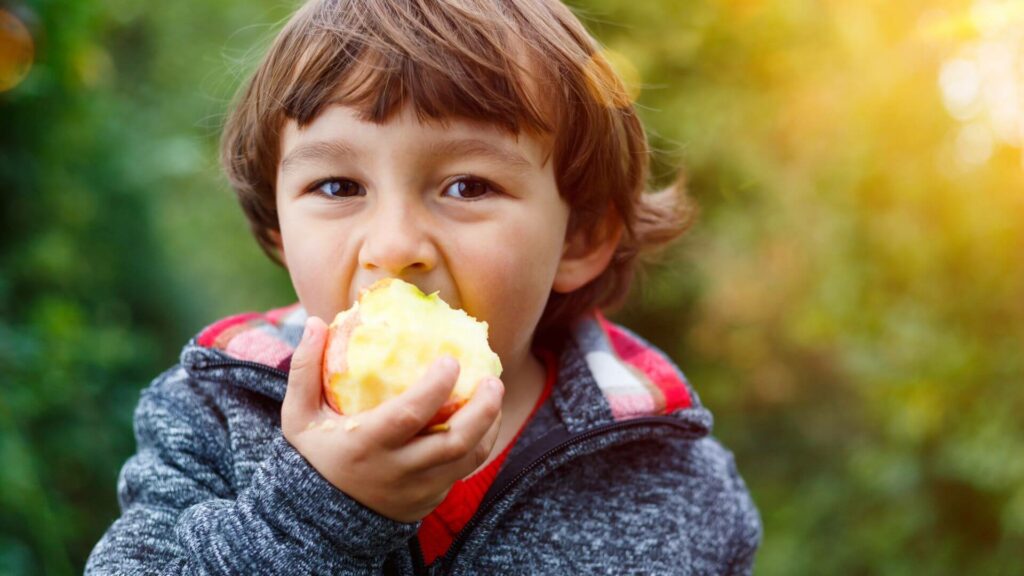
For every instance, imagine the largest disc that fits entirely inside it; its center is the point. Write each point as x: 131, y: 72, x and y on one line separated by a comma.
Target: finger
x: 483, y: 450
x: 396, y: 421
x: 304, y: 396
x: 480, y: 454
x: 470, y: 426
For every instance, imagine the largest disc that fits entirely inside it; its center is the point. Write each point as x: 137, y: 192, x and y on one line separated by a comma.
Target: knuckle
x: 492, y: 409
x: 301, y: 362
x: 408, y: 419
x: 359, y: 453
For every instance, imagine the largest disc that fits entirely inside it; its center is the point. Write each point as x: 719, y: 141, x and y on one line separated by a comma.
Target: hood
x: 606, y: 372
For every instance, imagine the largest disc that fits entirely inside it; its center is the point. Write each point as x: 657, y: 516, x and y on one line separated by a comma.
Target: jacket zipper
x: 245, y: 364
x: 460, y: 539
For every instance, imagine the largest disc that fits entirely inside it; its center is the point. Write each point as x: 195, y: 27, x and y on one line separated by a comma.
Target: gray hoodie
x: 615, y: 474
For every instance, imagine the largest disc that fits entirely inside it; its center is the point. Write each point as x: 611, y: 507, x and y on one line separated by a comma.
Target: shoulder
x: 714, y: 466
x: 692, y: 487
x: 177, y: 394
x: 178, y: 410
x: 676, y: 477
x: 175, y: 387
x: 673, y: 505
x: 213, y: 406
x: 702, y: 483
x: 734, y: 504
x: 699, y: 471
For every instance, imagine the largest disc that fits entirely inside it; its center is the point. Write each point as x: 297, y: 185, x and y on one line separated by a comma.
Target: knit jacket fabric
x: 615, y: 474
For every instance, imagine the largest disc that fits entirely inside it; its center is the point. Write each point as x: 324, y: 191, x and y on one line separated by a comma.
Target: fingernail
x: 496, y: 385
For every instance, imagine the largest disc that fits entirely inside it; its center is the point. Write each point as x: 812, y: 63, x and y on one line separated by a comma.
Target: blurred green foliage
x: 850, y: 305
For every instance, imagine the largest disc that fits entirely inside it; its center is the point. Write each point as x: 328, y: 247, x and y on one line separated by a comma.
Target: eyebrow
x: 316, y: 152
x: 325, y: 150
x: 480, y: 149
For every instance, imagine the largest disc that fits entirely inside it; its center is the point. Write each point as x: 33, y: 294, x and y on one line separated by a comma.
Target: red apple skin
x: 446, y: 410
x: 334, y: 360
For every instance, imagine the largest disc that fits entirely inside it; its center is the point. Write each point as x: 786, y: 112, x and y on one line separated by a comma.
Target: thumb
x: 303, y: 398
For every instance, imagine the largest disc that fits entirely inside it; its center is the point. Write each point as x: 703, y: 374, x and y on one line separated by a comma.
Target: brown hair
x: 522, y: 64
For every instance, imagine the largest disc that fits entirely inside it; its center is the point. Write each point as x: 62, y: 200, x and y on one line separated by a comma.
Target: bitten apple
x: 386, y: 341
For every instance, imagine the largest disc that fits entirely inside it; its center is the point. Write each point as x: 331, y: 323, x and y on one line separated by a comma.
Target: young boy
x: 483, y: 149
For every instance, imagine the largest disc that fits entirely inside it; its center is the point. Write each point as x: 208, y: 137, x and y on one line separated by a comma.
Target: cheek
x: 517, y: 314
x: 315, y: 267
x: 511, y: 289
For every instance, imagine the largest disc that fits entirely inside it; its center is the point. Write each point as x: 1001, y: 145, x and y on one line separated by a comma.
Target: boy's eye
x: 469, y: 188
x: 464, y: 188
x: 338, y: 188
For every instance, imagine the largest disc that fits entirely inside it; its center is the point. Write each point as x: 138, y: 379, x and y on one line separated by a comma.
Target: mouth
x: 449, y: 295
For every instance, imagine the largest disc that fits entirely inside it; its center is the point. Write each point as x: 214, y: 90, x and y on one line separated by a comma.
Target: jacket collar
x: 607, y: 373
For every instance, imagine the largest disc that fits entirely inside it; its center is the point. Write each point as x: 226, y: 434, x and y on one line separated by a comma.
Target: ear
x: 584, y: 259
x: 275, y: 237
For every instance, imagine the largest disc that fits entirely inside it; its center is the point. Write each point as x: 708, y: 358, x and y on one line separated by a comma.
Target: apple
x: 389, y: 338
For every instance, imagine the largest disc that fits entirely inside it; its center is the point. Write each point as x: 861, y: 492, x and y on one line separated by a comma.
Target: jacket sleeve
x: 180, y: 515
x: 747, y: 530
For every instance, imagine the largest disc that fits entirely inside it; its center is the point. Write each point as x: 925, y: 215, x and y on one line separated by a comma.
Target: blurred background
x: 850, y: 304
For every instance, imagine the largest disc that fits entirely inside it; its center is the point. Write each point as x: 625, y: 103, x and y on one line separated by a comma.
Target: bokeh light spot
x: 974, y: 145
x: 960, y: 82
x: 983, y: 84
x: 16, y: 51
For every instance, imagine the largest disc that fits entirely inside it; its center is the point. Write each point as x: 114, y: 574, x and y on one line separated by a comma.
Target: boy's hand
x: 378, y: 457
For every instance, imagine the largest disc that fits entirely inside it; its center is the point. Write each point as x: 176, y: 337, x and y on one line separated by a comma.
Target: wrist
x: 296, y: 488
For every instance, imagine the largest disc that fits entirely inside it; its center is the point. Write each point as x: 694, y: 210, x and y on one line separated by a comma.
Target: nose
x: 397, y: 241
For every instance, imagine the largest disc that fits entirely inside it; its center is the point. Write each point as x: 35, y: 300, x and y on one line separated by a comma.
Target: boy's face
x: 466, y: 209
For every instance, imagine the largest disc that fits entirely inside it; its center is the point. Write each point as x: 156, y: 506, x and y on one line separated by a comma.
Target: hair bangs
x: 379, y: 63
